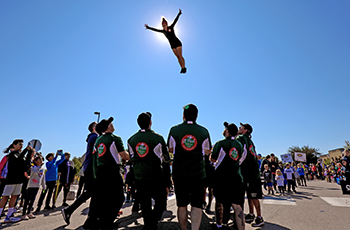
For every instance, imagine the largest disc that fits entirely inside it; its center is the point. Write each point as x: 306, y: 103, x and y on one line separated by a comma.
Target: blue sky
x: 282, y: 66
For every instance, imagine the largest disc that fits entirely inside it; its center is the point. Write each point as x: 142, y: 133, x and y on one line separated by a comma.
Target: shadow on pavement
x: 272, y: 226
x: 303, y: 195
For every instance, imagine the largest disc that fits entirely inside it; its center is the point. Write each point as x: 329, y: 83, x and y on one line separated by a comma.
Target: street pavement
x: 320, y: 205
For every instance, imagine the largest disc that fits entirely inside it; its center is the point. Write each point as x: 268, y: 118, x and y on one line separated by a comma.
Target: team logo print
x: 142, y: 149
x: 234, y: 154
x: 299, y: 155
x: 101, y: 149
x: 252, y: 150
x: 189, y: 142
x: 347, y: 187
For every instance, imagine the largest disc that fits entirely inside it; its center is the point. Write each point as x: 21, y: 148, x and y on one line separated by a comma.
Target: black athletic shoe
x: 53, y: 207
x: 249, y: 218
x: 47, y: 208
x: 259, y: 221
x: 37, y: 210
x: 66, y: 216
x: 65, y: 204
x: 184, y: 70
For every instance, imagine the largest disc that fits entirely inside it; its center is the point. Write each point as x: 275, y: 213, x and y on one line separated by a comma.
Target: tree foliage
x: 77, y: 164
x: 311, y: 153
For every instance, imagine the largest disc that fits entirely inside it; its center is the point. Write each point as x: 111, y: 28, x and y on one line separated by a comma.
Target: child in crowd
x: 14, y: 178
x: 35, y: 180
x: 280, y: 181
x: 50, y: 178
x: 297, y: 177
x: 268, y: 178
x: 301, y: 172
x: 289, y: 174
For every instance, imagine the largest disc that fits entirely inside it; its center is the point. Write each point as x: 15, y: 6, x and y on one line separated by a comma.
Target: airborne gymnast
x: 175, y: 43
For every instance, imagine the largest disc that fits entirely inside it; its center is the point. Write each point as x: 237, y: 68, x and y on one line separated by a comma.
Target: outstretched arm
x: 151, y: 28
x: 177, y: 18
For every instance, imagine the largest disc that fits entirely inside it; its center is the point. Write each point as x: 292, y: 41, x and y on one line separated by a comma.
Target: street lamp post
x: 98, y: 116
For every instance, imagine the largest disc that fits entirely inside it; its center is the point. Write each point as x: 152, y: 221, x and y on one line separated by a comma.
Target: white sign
x: 36, y: 144
x: 286, y: 158
x: 300, y: 157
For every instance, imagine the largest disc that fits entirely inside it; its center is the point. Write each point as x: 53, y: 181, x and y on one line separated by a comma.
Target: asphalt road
x: 320, y: 205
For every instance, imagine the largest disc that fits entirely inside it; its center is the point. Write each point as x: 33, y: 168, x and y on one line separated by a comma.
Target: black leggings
x: 291, y: 182
x: 50, y: 185
x: 302, y: 178
x: 29, y: 200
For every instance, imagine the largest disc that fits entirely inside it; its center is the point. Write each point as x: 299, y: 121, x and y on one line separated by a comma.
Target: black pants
x: 291, y: 182
x: 86, y: 194
x: 50, y: 185
x: 66, y: 188
x: 81, y: 185
x: 109, y: 195
x: 303, y: 180
x: 146, y: 190
x: 29, y: 200
x: 24, y: 190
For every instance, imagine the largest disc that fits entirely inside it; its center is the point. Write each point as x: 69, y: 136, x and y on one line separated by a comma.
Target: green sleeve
x: 119, y: 144
x: 216, y: 151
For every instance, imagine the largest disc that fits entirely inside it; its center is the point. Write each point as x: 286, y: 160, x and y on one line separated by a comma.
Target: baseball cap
x: 144, y: 119
x: 247, y: 126
x: 232, y: 128
x: 103, y: 125
x: 190, y: 112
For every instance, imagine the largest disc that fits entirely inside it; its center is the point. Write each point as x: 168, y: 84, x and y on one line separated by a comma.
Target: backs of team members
x: 250, y: 165
x: 228, y: 152
x: 189, y: 141
x: 147, y: 150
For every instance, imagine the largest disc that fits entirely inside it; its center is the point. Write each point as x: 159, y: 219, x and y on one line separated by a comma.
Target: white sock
x: 10, y: 211
x: 219, y: 226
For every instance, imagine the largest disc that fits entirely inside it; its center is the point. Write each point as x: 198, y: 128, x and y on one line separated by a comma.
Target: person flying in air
x: 175, y: 43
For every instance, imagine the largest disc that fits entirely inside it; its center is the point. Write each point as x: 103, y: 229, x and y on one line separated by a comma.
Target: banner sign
x: 300, y: 157
x: 286, y: 158
x: 36, y: 144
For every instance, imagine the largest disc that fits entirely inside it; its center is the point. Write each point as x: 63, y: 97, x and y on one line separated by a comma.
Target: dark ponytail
x: 15, y: 142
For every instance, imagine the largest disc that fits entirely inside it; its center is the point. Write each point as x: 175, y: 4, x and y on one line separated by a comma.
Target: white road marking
x: 337, y: 201
x: 280, y: 200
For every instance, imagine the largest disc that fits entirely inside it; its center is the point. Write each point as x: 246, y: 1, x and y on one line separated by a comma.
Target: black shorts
x: 189, y: 191
x: 174, y: 43
x: 232, y: 193
x: 253, y: 189
x: 209, y: 180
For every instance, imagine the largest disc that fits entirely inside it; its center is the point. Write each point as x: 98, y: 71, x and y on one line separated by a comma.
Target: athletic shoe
x: 47, y: 208
x: 259, y: 221
x: 184, y: 70
x: 37, y: 209
x: 65, y: 204
x: 249, y: 218
x: 31, y: 216
x: 25, y: 217
x: 53, y: 207
x: 11, y: 219
x: 66, y: 216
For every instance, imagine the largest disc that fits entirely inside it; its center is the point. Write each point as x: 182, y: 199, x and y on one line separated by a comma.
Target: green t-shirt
x: 228, y: 152
x: 106, y: 153
x: 189, y: 140
x: 250, y: 164
x: 148, y: 150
